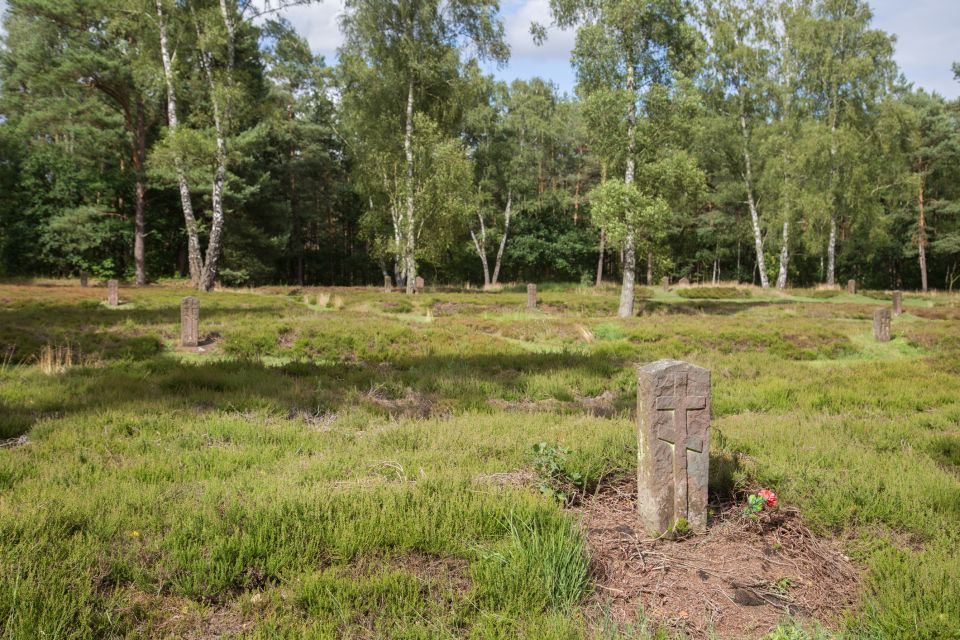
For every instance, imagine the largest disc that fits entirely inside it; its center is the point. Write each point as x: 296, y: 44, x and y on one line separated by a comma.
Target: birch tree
x: 626, y: 47
x: 408, y: 43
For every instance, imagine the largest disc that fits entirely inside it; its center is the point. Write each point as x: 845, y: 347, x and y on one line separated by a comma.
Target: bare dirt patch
x: 737, y: 581
x: 430, y: 570
x: 601, y: 406
x: 412, y: 405
x: 169, y: 616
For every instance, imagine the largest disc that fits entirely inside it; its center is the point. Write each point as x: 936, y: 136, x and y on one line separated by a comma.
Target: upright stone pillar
x: 881, y: 325
x: 418, y: 284
x: 673, y: 432
x: 531, y: 296
x: 387, y: 284
x: 189, y: 322
x: 897, y: 303
x: 113, y: 293
x: 665, y: 283
x: 84, y: 279
x: 851, y: 286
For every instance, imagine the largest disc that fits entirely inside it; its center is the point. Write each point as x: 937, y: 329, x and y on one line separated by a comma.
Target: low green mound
x: 714, y: 293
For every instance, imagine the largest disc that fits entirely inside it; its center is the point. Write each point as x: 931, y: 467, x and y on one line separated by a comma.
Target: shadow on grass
x: 88, y: 328
x: 712, y: 307
x: 445, y: 384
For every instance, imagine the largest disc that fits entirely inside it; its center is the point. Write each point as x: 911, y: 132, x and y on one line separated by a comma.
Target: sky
x: 928, y: 39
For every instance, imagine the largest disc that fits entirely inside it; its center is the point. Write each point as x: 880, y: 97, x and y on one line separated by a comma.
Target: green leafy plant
x: 782, y: 585
x: 557, y: 480
x: 681, y: 529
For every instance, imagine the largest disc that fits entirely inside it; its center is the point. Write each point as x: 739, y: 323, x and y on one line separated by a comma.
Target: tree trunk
x: 784, y: 256
x: 194, y: 259
x: 629, y: 245
x: 296, y: 230
x: 629, y: 276
x: 832, y: 251
x: 480, y: 244
x: 508, y: 212
x: 221, y: 114
x: 140, y: 213
x: 832, y: 240
x: 922, y: 238
x: 754, y: 214
x: 603, y: 246
x: 409, y: 263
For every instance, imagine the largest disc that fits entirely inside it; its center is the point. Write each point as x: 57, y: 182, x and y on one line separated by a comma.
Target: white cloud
x: 519, y: 14
x: 318, y: 23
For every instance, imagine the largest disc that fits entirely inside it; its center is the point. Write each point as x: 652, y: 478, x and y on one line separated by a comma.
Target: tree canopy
x: 765, y: 141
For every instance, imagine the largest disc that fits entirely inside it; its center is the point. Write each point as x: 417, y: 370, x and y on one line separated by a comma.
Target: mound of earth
x: 738, y: 581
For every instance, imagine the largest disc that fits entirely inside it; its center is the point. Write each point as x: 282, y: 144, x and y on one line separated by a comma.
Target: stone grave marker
x: 881, y: 325
x: 84, y: 279
x: 897, y: 303
x: 673, y: 438
x: 418, y: 284
x: 665, y: 283
x: 684, y: 282
x: 189, y: 322
x: 113, y: 293
x: 531, y: 296
x: 387, y: 284
x: 851, y: 286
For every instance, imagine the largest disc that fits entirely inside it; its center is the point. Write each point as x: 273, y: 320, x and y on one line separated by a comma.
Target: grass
x: 319, y: 470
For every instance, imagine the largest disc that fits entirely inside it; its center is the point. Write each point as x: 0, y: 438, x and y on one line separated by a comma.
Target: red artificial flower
x: 769, y: 497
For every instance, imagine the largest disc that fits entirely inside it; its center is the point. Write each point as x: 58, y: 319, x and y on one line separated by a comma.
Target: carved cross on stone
x: 113, y: 293
x: 189, y: 322
x: 677, y: 435
x: 673, y: 420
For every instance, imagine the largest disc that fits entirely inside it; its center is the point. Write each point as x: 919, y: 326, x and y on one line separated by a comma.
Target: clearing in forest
x: 453, y: 464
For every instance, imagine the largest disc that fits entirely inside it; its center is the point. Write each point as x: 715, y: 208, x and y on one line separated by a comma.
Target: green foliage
x: 623, y: 211
x: 557, y: 479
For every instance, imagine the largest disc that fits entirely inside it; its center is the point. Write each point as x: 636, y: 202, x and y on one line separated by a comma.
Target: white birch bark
x: 194, y: 259
x: 409, y: 262
x: 508, y: 212
x: 629, y: 244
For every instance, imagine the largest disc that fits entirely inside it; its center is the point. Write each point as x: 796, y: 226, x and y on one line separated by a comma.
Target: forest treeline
x: 766, y: 141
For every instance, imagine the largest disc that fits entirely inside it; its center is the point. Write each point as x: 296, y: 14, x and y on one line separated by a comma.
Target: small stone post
x: 418, y: 284
x: 851, y: 286
x: 531, y: 297
x: 673, y: 438
x: 84, y: 279
x: 897, y: 303
x: 881, y: 325
x: 113, y: 293
x: 189, y: 322
x: 665, y: 283
x: 684, y: 281
x: 387, y: 284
